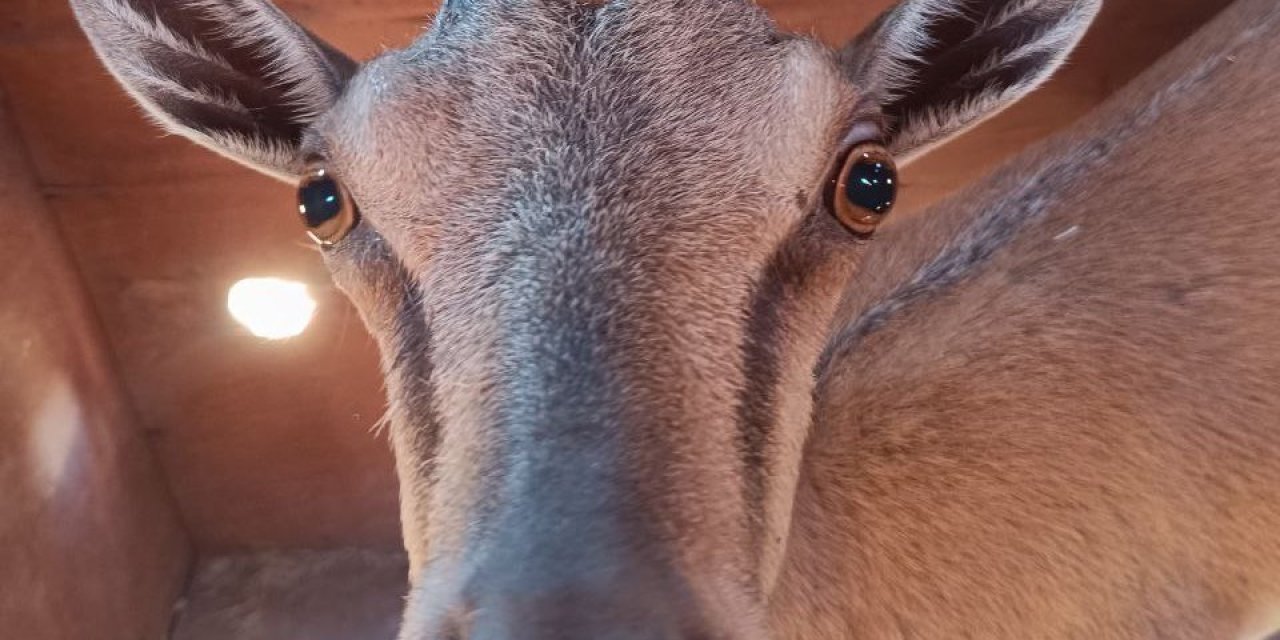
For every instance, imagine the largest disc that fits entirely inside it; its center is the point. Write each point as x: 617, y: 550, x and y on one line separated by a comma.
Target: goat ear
x: 934, y: 68
x: 237, y: 76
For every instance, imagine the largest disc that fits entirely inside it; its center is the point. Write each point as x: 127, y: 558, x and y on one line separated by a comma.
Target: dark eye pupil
x: 872, y: 185
x: 319, y: 200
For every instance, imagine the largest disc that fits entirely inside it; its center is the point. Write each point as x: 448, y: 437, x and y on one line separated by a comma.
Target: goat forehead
x: 533, y: 26
x: 567, y: 113
x: 513, y: 71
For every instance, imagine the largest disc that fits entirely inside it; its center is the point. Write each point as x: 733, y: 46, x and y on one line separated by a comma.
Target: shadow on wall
x: 336, y: 595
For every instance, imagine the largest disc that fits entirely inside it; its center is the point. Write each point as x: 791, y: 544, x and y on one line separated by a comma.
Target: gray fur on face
x: 551, y: 195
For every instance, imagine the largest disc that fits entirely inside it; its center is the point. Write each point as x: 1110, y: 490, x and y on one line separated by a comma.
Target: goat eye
x: 326, y: 208
x: 866, y: 188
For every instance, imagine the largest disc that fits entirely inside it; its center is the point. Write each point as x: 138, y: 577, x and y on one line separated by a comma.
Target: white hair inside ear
x: 935, y: 68
x: 237, y: 76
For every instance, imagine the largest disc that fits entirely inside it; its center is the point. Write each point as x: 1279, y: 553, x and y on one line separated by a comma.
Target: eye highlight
x: 326, y: 208
x: 866, y: 188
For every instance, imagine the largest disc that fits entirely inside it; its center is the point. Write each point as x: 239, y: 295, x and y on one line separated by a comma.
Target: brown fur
x: 1078, y: 436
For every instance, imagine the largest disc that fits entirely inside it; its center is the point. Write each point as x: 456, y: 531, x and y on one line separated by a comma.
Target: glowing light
x: 271, y: 308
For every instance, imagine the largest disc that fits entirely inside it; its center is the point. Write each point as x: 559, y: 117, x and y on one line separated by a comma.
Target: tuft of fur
x: 292, y: 62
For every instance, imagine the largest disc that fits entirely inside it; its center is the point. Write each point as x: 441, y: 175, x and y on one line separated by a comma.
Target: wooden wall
x: 90, y: 542
x: 264, y: 444
x: 269, y: 444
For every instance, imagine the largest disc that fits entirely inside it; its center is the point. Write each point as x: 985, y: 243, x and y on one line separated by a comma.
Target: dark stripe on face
x: 757, y: 404
x: 411, y: 366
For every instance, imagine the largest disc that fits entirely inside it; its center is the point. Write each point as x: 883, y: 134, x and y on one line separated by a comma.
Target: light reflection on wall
x: 58, y: 440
